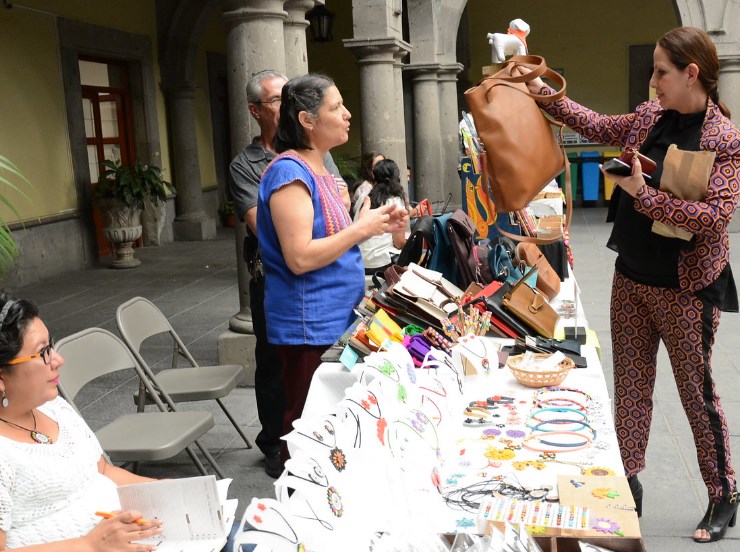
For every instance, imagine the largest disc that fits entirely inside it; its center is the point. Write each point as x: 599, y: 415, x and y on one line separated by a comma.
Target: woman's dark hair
x: 366, y: 166
x: 15, y: 316
x: 687, y: 45
x: 305, y: 93
x: 387, y: 183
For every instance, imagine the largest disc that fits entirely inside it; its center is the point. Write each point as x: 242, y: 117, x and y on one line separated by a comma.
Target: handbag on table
x: 531, y: 307
x: 424, y: 292
x: 548, y: 282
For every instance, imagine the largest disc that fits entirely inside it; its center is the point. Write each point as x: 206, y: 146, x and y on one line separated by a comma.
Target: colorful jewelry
x: 560, y: 447
x: 598, y: 471
x: 582, y: 423
x: 338, y: 459
x: 37, y: 436
x: 607, y: 527
x: 335, y: 502
x: 605, y: 492
x: 498, y: 454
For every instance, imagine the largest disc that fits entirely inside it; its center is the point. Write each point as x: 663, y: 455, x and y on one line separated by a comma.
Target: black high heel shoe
x: 636, y: 488
x: 718, y: 518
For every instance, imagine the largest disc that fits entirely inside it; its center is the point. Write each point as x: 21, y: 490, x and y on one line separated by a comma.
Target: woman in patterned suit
x: 664, y: 288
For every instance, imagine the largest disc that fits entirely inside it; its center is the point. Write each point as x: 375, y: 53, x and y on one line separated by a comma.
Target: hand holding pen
x: 118, y: 531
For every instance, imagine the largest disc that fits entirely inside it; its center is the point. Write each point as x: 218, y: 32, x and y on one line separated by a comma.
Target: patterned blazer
x: 708, y: 220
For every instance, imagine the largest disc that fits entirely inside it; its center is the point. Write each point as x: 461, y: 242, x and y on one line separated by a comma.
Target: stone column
x: 381, y: 99
x: 254, y: 42
x: 399, y: 155
x: 448, y: 123
x: 729, y: 84
x: 294, y: 29
x: 191, y: 222
x: 428, y: 154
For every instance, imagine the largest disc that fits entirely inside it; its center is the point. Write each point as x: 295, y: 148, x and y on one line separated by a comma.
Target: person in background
x: 377, y: 250
x: 313, y: 267
x: 53, y: 475
x: 369, y: 160
x: 667, y: 289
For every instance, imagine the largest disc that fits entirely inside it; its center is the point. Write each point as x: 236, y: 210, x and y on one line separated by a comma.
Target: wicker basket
x: 539, y: 378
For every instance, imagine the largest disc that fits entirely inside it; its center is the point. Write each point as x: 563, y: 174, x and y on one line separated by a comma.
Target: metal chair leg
x: 210, y: 459
x: 198, y: 464
x: 233, y: 422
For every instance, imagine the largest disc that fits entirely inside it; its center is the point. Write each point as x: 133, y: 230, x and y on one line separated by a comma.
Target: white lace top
x: 51, y: 492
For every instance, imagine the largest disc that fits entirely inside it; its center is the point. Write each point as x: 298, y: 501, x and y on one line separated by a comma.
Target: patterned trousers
x: 642, y: 316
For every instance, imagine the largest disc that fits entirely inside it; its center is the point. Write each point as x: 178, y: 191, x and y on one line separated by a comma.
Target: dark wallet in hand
x: 622, y: 165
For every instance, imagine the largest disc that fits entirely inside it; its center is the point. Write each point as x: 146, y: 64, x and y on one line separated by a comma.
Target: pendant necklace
x: 37, y: 436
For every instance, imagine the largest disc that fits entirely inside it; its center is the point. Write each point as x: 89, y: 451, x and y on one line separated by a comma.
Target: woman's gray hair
x: 254, y: 86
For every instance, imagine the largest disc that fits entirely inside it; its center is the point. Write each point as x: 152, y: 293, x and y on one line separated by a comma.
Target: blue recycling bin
x: 590, y: 175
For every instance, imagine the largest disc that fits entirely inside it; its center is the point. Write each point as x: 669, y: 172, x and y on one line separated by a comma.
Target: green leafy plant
x: 347, y: 166
x: 9, y: 172
x: 133, y: 185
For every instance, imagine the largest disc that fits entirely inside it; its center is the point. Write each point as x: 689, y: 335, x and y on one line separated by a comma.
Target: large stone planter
x: 122, y: 229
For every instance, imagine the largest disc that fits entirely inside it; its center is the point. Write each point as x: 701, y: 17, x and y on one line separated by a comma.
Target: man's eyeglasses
x: 272, y: 103
x: 45, y: 354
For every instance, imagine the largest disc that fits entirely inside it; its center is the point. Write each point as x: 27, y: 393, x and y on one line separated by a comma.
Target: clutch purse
x: 531, y: 307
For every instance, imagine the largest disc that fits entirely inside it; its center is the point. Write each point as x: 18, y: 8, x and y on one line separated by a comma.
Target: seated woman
x: 377, y: 250
x: 53, y: 476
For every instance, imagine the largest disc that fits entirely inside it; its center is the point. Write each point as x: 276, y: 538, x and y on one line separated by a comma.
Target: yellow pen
x: 108, y: 515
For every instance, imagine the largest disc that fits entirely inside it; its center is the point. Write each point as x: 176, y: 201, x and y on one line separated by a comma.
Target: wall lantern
x: 321, y: 21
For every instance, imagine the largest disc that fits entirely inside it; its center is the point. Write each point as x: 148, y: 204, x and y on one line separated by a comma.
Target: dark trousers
x: 300, y: 361
x: 268, y: 382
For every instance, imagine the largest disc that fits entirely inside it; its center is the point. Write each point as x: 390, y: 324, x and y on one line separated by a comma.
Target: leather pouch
x: 531, y: 307
x: 502, y: 317
x: 548, y: 281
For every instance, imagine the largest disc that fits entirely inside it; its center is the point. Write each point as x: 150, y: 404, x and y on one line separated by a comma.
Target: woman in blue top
x: 314, y: 275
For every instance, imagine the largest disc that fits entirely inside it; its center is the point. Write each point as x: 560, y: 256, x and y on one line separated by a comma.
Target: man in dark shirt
x: 263, y: 97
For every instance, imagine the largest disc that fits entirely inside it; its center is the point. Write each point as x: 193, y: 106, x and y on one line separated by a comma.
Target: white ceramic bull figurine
x: 513, y: 42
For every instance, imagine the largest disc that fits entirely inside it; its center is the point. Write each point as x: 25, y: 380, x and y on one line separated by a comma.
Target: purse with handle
x: 531, y: 307
x: 548, y: 281
x: 520, y: 153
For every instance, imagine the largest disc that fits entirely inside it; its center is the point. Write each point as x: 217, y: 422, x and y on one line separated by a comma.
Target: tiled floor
x: 194, y: 284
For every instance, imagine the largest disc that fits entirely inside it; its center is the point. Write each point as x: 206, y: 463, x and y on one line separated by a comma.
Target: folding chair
x: 140, y: 437
x: 139, y: 319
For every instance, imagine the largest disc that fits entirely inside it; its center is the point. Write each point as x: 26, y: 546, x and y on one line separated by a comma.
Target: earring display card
x: 609, y: 500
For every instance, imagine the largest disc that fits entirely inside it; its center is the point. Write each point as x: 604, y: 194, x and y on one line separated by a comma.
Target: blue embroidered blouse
x: 316, y: 307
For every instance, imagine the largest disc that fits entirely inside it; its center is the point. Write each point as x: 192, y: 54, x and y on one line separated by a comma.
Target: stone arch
x: 179, y: 41
x: 433, y: 29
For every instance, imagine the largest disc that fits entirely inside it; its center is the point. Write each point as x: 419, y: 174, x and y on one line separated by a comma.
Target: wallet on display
x: 622, y: 165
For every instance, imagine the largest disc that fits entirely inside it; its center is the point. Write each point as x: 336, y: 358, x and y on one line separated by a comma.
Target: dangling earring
x: 5, y: 400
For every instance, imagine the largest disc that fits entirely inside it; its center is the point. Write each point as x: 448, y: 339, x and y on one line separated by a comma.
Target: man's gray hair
x: 254, y: 86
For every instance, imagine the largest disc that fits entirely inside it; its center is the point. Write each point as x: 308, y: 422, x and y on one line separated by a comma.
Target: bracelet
x: 559, y: 447
x: 534, y: 414
x: 582, y: 423
x: 542, y: 403
x: 555, y: 389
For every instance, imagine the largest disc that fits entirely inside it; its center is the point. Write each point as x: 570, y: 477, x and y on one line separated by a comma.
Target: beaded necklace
x: 37, y: 436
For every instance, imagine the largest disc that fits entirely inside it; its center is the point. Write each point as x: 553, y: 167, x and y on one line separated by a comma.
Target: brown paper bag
x: 686, y: 176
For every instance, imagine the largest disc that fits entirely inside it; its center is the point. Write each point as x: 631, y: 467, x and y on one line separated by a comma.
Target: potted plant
x: 122, y: 193
x: 8, y: 246
x: 227, y: 212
